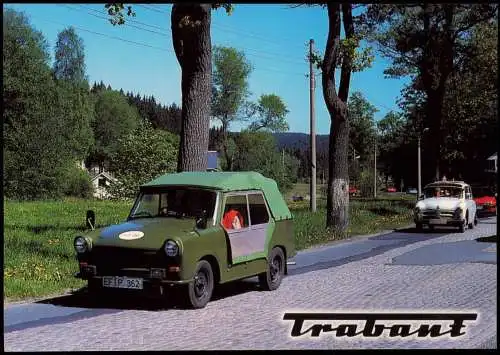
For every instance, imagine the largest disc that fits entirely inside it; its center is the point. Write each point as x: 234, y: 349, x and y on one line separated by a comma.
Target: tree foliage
x: 69, y: 62
x: 141, y: 156
x: 114, y: 118
x: 256, y: 151
x: 229, y: 91
x: 271, y: 114
x: 46, y: 127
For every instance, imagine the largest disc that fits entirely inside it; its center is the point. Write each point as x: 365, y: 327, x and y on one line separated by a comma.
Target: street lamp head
x: 425, y: 130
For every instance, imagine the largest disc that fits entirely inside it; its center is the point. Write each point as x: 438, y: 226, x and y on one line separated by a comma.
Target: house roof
x: 229, y: 181
x: 105, y: 175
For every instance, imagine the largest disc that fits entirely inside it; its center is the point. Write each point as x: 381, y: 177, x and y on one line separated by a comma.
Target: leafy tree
x: 340, y: 53
x: 141, y: 156
x: 191, y: 39
x: 69, y: 62
x: 42, y: 121
x: 114, y: 118
x: 230, y: 90
x: 422, y: 40
x: 256, y: 151
x: 272, y: 112
x: 361, y: 121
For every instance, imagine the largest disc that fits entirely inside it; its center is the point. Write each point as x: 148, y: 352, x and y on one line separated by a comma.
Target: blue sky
x: 274, y: 38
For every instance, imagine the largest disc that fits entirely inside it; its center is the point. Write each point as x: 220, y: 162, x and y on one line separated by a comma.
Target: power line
x: 134, y: 21
x: 150, y: 46
x: 105, y: 35
x: 267, y: 55
x: 262, y: 36
x: 106, y: 18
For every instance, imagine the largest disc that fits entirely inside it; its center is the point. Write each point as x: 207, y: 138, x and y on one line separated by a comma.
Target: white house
x: 100, y: 177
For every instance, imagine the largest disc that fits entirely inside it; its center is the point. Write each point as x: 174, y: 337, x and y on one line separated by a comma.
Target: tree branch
x: 345, y: 73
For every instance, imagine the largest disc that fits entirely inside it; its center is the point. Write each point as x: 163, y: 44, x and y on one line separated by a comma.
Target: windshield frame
x: 159, y: 191
x: 433, y: 188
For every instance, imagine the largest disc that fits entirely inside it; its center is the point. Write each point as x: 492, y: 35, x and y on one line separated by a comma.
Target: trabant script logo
x: 131, y: 235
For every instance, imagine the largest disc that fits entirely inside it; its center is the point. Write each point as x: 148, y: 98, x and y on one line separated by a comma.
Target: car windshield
x: 482, y: 191
x: 443, y: 191
x: 174, y: 202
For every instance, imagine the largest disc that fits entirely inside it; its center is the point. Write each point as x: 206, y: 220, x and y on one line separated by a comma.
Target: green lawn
x: 38, y: 236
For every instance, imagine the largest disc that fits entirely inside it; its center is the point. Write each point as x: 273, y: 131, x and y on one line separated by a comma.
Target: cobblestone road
x: 253, y: 320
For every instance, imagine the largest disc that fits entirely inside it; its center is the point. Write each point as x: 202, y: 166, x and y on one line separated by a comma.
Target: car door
x: 248, y: 240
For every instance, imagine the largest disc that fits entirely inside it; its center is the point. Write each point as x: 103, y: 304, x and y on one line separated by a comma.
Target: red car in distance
x: 353, y: 191
x: 486, y: 202
x: 391, y: 189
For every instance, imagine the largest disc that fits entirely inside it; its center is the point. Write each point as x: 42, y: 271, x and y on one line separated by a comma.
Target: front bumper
x: 439, y: 220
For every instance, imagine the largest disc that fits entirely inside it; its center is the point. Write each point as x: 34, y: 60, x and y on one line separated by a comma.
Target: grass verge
x: 39, y: 259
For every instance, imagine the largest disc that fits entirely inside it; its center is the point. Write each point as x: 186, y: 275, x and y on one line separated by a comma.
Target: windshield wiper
x: 138, y: 214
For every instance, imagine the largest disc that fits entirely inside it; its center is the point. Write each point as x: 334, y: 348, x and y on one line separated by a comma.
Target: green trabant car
x: 191, y: 231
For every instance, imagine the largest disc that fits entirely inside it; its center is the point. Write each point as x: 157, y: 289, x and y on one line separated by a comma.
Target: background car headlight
x: 81, y: 245
x: 171, y: 248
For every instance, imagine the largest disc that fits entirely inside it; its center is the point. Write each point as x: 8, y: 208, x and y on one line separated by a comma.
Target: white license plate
x: 479, y: 207
x: 122, y: 282
x: 437, y: 221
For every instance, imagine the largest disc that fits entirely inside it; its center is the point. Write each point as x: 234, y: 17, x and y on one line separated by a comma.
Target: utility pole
x: 313, y: 130
x: 419, y: 187
x: 375, y: 169
x: 283, y: 162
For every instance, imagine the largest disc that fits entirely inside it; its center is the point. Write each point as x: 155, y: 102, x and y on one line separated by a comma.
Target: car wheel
x: 419, y: 227
x: 475, y: 219
x: 462, y: 226
x: 271, y: 279
x: 472, y: 223
x: 199, y: 292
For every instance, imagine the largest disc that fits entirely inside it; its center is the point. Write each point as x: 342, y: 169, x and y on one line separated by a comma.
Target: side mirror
x: 201, y: 222
x: 90, y: 220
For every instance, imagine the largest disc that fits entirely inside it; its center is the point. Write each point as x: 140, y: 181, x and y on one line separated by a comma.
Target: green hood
x: 155, y: 232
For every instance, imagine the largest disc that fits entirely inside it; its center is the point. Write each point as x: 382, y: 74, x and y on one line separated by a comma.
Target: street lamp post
x: 420, y: 163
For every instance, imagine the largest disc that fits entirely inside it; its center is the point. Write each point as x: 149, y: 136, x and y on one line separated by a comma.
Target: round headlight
x: 81, y: 245
x: 171, y: 248
x: 458, y: 212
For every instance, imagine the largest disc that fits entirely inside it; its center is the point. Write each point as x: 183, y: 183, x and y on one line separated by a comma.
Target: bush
x: 78, y: 183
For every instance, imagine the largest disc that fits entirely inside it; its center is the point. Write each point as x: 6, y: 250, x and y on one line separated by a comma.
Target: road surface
x: 403, y: 271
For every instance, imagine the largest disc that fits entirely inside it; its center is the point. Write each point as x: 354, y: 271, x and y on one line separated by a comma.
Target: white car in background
x: 446, y: 203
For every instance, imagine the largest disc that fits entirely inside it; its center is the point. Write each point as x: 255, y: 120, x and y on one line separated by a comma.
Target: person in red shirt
x: 232, y: 220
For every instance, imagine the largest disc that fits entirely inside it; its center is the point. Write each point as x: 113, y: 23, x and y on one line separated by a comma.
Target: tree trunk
x: 337, y: 204
x: 436, y: 67
x: 193, y: 48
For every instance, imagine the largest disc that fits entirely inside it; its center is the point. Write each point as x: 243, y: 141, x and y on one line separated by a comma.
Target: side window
x: 258, y: 210
x: 235, y: 212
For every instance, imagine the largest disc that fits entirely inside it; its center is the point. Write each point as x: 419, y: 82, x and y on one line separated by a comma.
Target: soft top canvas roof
x: 229, y: 181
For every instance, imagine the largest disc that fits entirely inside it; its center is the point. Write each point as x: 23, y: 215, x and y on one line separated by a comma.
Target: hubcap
x: 275, y: 267
x: 201, y: 285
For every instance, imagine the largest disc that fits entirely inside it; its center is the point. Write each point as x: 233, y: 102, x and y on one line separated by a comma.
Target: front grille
x: 110, y: 260
x: 435, y: 214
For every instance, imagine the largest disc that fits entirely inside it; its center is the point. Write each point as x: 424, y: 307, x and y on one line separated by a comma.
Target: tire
x: 475, y: 219
x: 419, y: 227
x: 271, y: 279
x: 199, y: 292
x: 461, y: 228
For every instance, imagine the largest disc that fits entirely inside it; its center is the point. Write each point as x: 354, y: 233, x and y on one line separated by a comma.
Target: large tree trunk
x: 193, y: 48
x: 337, y: 205
x: 437, y: 67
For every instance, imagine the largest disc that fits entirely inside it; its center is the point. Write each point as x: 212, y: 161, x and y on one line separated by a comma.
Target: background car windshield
x: 482, y: 191
x: 443, y: 191
x: 175, y: 203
